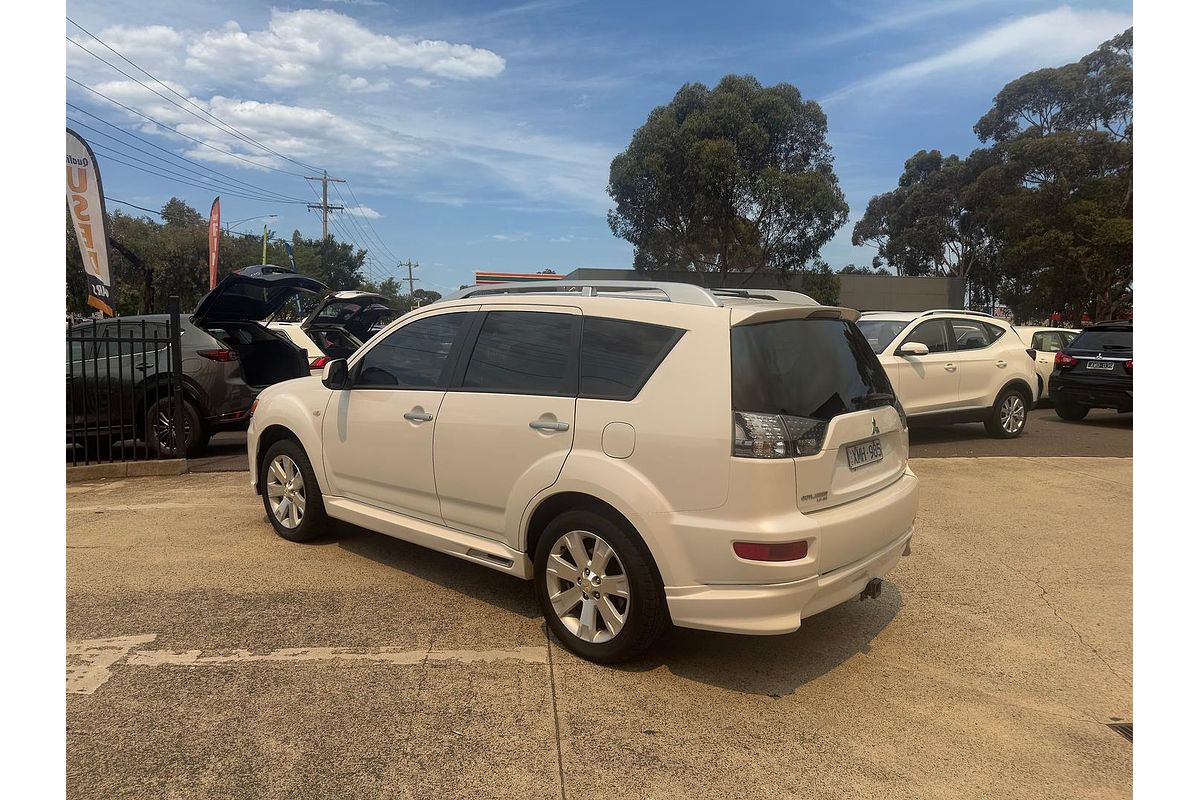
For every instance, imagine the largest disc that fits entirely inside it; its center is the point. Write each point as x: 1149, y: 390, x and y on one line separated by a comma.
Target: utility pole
x: 324, y: 206
x: 411, y: 279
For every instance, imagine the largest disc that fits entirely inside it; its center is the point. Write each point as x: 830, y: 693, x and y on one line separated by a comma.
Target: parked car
x: 338, y: 325
x: 1094, y: 371
x: 123, y: 388
x: 720, y: 462
x: 953, y: 366
x: 1047, y: 342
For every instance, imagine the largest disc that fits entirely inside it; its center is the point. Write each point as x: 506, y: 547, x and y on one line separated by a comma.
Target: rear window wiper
x: 873, y: 399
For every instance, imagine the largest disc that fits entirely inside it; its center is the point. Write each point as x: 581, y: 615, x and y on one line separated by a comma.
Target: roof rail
x: 686, y: 293
x: 959, y: 311
x: 780, y: 295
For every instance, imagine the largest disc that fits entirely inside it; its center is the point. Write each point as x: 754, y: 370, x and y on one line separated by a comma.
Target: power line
x: 379, y: 239
x: 178, y: 133
x: 181, y: 179
x: 224, y: 126
x: 216, y: 184
x: 246, y: 184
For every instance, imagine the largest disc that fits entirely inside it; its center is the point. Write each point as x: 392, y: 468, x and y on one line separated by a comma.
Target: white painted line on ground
x: 90, y: 663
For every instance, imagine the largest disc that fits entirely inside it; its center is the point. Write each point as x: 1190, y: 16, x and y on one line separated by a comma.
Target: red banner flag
x: 214, y: 241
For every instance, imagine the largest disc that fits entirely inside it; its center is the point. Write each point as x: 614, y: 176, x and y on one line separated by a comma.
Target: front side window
x: 619, y: 356
x: 523, y: 352
x: 970, y: 334
x: 412, y: 357
x: 932, y: 334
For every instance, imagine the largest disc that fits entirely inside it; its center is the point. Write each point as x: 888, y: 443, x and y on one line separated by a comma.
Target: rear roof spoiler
x: 753, y: 315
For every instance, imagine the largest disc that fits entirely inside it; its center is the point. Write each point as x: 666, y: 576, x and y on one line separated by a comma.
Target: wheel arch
x: 158, y: 387
x: 1021, y: 385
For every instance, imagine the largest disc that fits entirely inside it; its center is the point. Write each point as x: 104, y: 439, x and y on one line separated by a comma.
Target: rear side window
x: 815, y: 368
x: 413, y: 357
x: 619, y: 356
x: 1104, y: 340
x: 1047, y: 341
x: 970, y: 334
x: 524, y: 352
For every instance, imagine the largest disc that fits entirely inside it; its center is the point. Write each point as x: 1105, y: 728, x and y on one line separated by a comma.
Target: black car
x: 1095, y: 371
x: 118, y: 370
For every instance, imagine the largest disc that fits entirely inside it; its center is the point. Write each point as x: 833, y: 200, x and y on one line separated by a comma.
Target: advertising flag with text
x: 214, y: 241
x: 85, y: 200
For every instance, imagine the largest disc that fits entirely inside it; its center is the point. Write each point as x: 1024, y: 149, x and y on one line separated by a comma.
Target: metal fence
x: 124, y: 389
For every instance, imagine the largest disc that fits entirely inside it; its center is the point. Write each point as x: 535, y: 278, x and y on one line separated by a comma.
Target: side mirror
x: 336, y: 375
x: 913, y: 349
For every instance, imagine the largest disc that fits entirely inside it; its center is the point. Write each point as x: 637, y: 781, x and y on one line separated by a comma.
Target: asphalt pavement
x: 208, y: 658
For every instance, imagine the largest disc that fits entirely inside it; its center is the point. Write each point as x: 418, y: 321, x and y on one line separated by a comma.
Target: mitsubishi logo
x: 874, y: 427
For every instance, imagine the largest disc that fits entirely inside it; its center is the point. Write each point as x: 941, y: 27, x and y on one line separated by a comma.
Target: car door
x: 507, y: 422
x: 983, y: 365
x: 1047, y: 344
x: 377, y: 435
x: 930, y: 382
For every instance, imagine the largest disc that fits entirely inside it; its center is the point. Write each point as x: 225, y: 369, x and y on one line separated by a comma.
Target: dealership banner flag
x: 85, y: 199
x: 214, y: 241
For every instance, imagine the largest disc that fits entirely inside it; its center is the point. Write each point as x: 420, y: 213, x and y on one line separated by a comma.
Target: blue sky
x: 478, y: 135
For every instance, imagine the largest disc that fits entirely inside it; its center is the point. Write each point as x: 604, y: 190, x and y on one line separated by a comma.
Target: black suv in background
x: 1095, y: 371
x: 119, y: 390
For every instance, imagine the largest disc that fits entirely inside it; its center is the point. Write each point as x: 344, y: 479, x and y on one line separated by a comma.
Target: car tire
x: 290, y: 493
x: 1070, y: 411
x: 1009, y: 415
x: 160, y: 435
x: 623, y: 611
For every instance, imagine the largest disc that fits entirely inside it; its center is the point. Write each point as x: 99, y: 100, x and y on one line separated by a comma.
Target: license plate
x: 864, y: 453
x: 1105, y: 365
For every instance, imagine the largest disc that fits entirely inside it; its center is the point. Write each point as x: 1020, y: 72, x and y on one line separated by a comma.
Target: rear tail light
x: 780, y: 551
x: 1129, y: 366
x: 253, y: 406
x: 776, y: 435
x: 218, y: 355
x: 1031, y: 353
x: 1061, y: 359
x: 318, y: 362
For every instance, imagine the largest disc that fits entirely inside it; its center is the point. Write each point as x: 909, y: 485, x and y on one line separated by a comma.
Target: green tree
x: 738, y: 178
x: 820, y: 283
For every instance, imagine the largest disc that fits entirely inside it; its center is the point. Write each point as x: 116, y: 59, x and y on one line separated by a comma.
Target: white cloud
x: 302, y: 47
x: 510, y: 237
x: 904, y: 17
x: 1048, y: 39
x: 366, y: 212
x: 420, y: 83
x: 361, y: 85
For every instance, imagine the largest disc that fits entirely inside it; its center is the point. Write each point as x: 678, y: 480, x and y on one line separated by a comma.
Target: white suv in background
x: 727, y: 460
x: 1048, y: 342
x: 956, y: 366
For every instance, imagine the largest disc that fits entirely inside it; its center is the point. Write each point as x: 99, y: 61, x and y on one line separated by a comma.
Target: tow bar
x: 872, y: 590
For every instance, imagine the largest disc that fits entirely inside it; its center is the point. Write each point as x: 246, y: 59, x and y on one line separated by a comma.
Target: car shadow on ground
x: 772, y: 666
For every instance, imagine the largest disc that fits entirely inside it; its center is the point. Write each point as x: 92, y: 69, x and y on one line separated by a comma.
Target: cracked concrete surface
x: 988, y: 667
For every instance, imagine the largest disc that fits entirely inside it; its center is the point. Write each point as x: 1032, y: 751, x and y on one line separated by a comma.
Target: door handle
x: 142, y: 367
x: 546, y: 425
x: 417, y: 416
x: 951, y: 367
x: 1002, y: 364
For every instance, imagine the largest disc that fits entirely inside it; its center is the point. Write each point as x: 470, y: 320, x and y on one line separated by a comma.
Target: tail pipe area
x: 872, y: 590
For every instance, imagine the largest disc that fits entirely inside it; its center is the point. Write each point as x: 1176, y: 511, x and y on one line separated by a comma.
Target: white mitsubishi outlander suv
x: 952, y: 366
x: 728, y: 460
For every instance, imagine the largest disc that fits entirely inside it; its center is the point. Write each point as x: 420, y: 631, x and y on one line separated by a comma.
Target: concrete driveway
x: 207, y: 658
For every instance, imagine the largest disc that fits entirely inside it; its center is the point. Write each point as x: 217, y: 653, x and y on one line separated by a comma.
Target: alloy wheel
x: 164, y: 430
x: 285, y: 491
x: 587, y: 586
x: 1012, y: 414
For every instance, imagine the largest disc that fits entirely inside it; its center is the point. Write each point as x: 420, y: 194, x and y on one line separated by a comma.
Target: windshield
x: 815, y: 368
x: 1103, y: 341
x: 881, y: 332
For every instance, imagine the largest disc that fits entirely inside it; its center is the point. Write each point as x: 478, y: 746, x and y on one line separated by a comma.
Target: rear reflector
x: 761, y: 551
x: 218, y: 355
x: 1129, y: 366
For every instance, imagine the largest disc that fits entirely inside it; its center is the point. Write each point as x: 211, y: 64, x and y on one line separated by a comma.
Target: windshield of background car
x: 881, y: 332
x: 815, y: 368
x: 1103, y: 341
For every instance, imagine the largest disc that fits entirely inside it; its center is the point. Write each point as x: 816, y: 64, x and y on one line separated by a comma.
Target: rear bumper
x: 1093, y: 395
x: 779, y: 608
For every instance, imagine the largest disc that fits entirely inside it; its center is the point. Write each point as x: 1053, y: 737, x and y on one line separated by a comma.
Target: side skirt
x: 466, y: 546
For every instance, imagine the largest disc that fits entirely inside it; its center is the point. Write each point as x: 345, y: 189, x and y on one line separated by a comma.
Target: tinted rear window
x: 523, y: 352
x: 1103, y: 340
x: 619, y: 356
x: 815, y: 368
